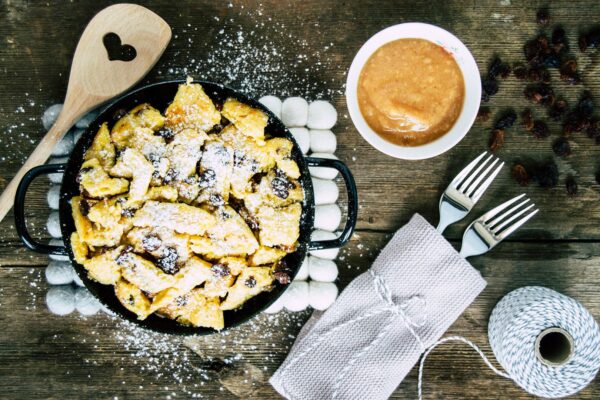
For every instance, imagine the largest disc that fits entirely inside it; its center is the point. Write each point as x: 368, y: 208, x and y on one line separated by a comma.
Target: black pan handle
x: 19, y: 208
x: 352, y: 203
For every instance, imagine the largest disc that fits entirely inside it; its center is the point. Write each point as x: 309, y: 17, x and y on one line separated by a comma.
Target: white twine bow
x: 401, y: 309
x: 397, y: 310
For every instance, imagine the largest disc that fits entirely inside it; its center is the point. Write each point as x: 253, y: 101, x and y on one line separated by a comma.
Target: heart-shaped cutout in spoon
x: 95, y: 79
x: 116, y: 50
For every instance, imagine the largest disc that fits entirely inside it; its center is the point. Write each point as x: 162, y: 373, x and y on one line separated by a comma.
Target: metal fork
x: 491, y: 228
x: 466, y: 189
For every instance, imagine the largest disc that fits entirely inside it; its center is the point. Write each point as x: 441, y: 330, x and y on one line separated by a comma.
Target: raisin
x: 560, y: 43
x: 543, y: 16
x: 282, y: 277
x: 520, y: 71
x: 561, y: 147
x: 498, y: 68
x: 128, y: 212
x: 170, y: 176
x: 551, y: 60
x: 575, y: 123
x: 579, y: 118
x: 151, y: 242
x: 506, y: 120
x: 281, y: 187
x: 521, y: 175
x: 250, y: 282
x: 282, y: 272
x: 571, y: 185
x: 558, y: 109
x: 589, y: 40
x: 182, y: 301
x: 84, y: 207
x: 540, y: 93
x: 166, y: 133
x: 547, y: 174
x: 118, y: 114
x: 82, y: 171
x: 216, y: 200
x: 540, y: 129
x: 123, y: 256
x: 586, y: 105
x: 483, y: 114
x: 207, y: 179
x: 216, y: 129
x: 220, y: 270
x: 238, y: 205
x: 538, y: 74
x: 593, y: 130
x: 568, y: 72
x: 536, y: 49
x: 489, y: 87
x: 496, y: 139
x: 527, y: 120
x: 168, y: 261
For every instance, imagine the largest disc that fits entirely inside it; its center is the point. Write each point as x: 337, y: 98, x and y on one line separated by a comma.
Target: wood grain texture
x: 45, y: 356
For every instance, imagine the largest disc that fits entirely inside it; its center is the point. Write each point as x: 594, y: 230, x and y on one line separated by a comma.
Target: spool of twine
x: 546, y: 342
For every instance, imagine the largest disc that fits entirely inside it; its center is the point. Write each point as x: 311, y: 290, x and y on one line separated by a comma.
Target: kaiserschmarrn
x: 187, y: 212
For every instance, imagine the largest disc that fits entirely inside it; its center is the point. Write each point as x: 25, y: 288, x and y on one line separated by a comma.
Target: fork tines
x: 471, y: 181
x: 502, y: 223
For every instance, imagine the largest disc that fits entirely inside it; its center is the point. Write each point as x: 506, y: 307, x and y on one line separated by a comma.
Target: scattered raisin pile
x: 542, y: 53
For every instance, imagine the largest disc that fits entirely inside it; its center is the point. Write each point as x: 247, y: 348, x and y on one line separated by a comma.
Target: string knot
x: 412, y: 310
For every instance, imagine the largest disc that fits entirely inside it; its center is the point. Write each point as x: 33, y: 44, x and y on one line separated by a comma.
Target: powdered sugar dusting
x: 246, y: 53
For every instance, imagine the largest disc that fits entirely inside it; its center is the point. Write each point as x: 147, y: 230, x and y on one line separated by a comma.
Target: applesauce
x: 411, y: 91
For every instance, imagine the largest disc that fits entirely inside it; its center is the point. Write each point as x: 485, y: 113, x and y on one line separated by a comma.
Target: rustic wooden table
x: 290, y: 48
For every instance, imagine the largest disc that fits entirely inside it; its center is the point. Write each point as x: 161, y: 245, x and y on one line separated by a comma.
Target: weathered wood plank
x: 44, y: 356
x: 99, y: 356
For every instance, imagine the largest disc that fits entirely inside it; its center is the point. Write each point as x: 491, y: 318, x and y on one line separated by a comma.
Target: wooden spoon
x: 118, y: 47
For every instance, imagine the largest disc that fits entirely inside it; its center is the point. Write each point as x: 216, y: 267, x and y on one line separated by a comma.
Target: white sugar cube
x: 294, y: 111
x: 76, y: 279
x: 329, y: 254
x: 322, y: 141
x: 322, y: 294
x: 321, y: 115
x: 85, y: 302
x: 302, y: 138
x: 57, y: 242
x: 302, y: 273
x: 53, y: 197
x: 328, y: 217
x: 64, y: 146
x: 295, y: 297
x: 53, y: 225
x: 58, y: 176
x: 50, y: 115
x: 326, y: 191
x: 273, y: 103
x: 276, y: 306
x: 322, y: 270
x: 77, y: 135
x: 61, y: 299
x: 59, y: 273
x: 323, y: 172
x: 87, y: 119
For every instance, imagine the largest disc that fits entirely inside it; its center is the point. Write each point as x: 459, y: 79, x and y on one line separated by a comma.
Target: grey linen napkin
x: 364, y: 345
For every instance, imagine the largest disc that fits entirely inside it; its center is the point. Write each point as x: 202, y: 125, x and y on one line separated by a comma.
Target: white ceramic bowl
x: 467, y: 65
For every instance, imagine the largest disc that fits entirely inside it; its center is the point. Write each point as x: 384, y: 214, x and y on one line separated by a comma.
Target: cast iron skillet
x: 160, y: 95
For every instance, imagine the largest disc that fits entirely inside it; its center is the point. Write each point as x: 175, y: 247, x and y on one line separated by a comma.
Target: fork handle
x: 442, y: 225
x: 472, y: 245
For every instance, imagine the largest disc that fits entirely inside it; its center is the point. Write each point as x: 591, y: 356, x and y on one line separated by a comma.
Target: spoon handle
x: 65, y: 120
